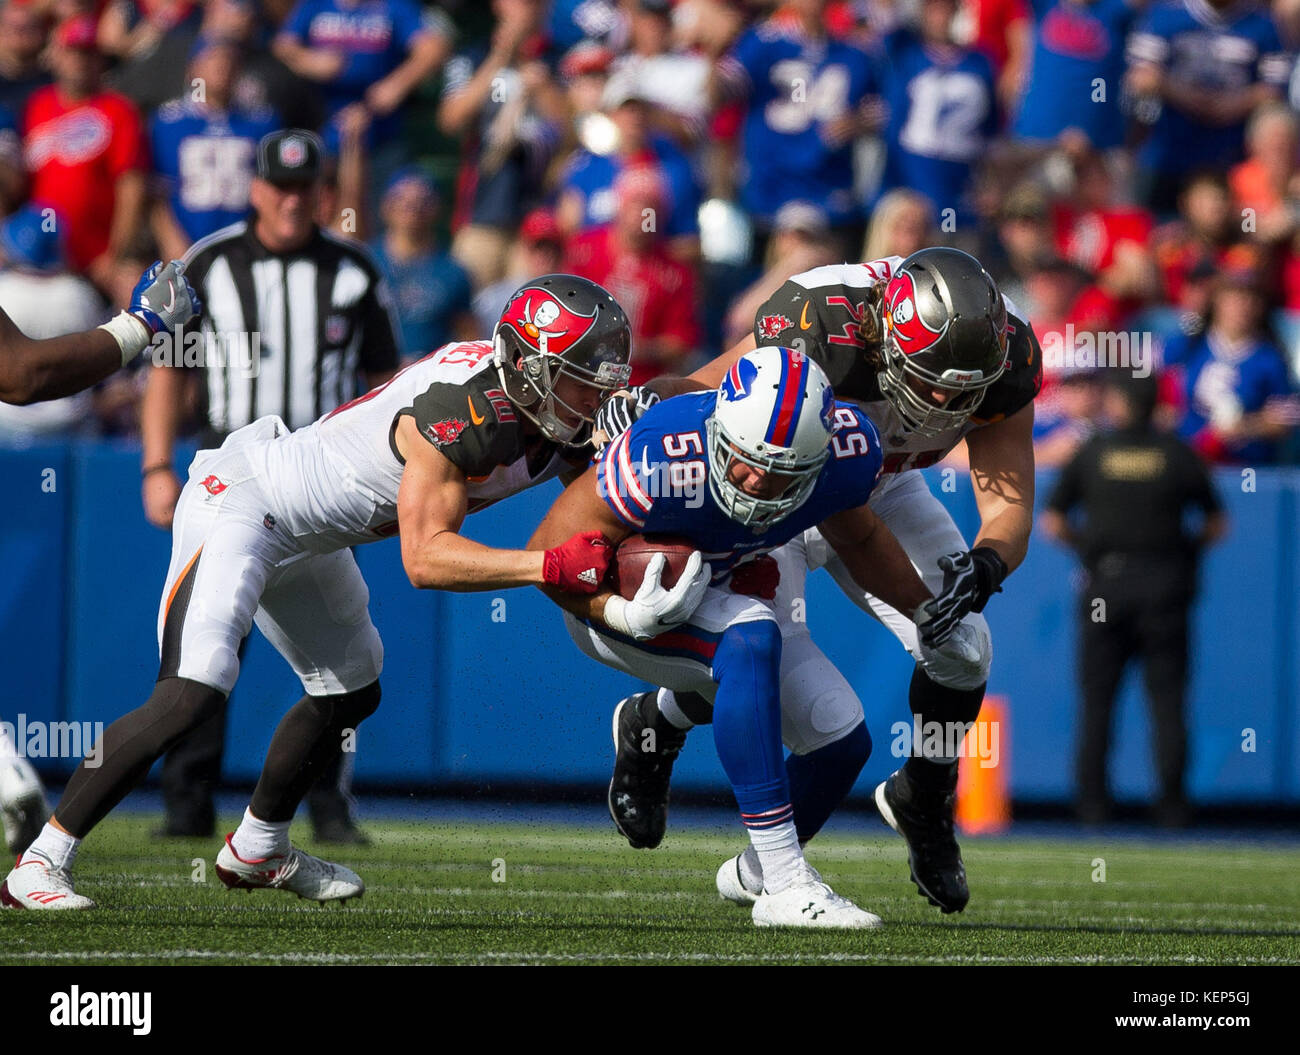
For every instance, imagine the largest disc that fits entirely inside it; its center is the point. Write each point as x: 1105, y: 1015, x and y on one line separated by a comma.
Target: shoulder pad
x: 1022, y: 379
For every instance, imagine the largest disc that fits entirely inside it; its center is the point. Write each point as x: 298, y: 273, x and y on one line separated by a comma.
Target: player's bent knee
x: 954, y: 668
x: 352, y: 708
x: 749, y: 649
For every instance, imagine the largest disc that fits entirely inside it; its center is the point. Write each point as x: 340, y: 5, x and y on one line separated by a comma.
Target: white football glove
x: 655, y: 610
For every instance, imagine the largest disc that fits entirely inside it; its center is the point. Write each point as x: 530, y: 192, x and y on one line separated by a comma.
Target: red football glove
x: 579, y: 565
x: 757, y: 578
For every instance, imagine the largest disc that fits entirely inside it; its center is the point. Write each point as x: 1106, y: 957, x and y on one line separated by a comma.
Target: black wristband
x: 991, y: 569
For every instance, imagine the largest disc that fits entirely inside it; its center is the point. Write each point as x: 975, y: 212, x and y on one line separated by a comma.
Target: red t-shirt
x: 1089, y: 238
x: 656, y: 291
x: 76, y: 152
x: 991, y: 19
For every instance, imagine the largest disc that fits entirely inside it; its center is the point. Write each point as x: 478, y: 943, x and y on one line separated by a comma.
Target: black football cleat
x: 923, y: 817
x: 643, y: 766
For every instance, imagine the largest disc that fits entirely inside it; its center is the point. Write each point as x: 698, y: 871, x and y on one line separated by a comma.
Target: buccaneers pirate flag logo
x: 544, y: 323
x: 903, y: 319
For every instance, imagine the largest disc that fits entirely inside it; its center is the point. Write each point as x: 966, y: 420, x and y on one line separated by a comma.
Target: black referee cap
x: 291, y: 155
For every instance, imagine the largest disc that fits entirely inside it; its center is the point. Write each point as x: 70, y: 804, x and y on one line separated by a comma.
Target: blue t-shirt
x: 795, y: 86
x: 375, y: 35
x: 1074, y: 45
x: 941, y: 117
x: 593, y: 176
x: 1218, y: 385
x: 573, y: 21
x: 1214, y: 51
x: 205, y: 160
x: 655, y: 479
x: 428, y: 293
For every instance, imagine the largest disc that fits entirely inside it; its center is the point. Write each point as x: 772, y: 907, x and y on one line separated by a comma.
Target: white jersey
x: 334, y: 483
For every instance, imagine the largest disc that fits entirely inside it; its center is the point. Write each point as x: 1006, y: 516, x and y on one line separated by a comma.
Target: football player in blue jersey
x: 738, y: 473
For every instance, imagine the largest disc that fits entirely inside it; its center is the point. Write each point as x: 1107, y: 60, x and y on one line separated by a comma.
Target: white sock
x: 59, y: 848
x: 669, y: 709
x: 779, y: 854
x: 255, y: 840
x: 751, y: 872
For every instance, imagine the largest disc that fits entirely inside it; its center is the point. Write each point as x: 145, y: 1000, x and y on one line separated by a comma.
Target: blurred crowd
x: 1126, y: 171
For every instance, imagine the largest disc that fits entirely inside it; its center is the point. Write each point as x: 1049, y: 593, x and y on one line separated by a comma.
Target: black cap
x: 291, y: 155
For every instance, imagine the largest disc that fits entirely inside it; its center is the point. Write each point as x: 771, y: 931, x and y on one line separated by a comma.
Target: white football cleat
x: 731, y: 884
x: 37, y: 884
x: 297, y: 872
x: 23, y: 810
x: 809, y: 902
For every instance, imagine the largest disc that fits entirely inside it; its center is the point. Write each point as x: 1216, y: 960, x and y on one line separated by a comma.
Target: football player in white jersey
x: 261, y: 534
x: 934, y: 354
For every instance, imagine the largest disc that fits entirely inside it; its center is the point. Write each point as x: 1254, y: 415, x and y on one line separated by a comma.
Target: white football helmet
x: 773, y: 413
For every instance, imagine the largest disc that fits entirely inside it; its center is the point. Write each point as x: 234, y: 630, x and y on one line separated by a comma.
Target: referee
x: 1134, y: 486
x: 296, y: 321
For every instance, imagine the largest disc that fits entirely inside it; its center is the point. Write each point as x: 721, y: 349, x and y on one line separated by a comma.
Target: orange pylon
x: 983, y: 781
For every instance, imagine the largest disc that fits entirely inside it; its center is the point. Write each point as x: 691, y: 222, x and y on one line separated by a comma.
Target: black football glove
x: 616, y: 415
x: 969, y: 580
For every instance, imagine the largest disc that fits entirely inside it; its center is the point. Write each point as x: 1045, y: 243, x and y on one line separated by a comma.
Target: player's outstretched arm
x: 1002, y: 472
x: 35, y: 370
x: 875, y: 558
x: 432, y: 502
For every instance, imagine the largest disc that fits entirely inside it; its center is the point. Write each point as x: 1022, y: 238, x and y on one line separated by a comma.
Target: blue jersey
x: 795, y: 86
x: 593, y: 176
x: 428, y: 293
x: 655, y: 479
x: 374, y: 35
x: 205, y: 161
x: 941, y: 117
x: 1074, y: 45
x: 1221, y: 387
x: 1214, y: 51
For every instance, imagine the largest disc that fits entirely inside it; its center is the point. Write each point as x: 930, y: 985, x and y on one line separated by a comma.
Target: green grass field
x: 573, y: 894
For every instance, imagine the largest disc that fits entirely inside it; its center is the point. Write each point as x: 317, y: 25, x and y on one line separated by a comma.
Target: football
x: 634, y: 553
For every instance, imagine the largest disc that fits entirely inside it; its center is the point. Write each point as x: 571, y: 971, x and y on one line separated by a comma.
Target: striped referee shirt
x: 288, y: 333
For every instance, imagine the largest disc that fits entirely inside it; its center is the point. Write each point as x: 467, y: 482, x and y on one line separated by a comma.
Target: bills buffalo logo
x: 443, y: 432
x: 903, y: 320
x: 213, y: 485
x: 545, y: 324
x: 72, y: 139
x: 769, y: 326
x: 740, y: 378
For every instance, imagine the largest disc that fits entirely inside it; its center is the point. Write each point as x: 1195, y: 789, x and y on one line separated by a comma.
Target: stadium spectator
x: 364, y: 51
x: 901, y: 224
x: 1266, y: 183
x: 672, y: 79
x: 539, y: 250
x: 85, y: 150
x: 1234, y: 378
x: 587, y: 198
x: 942, y: 113
x: 1002, y: 30
x: 44, y: 300
x: 1107, y: 239
x: 1076, y: 72
x: 1204, y: 231
x: 430, y: 291
x: 202, y: 147
x: 658, y: 293
x: 806, y: 93
x: 1198, y: 68
x: 149, y: 42
x: 23, y: 33
x: 1134, y: 486
x: 602, y: 21
x: 1020, y: 238
x: 503, y: 97
x: 1066, y: 417
x: 799, y: 243
x: 317, y: 307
